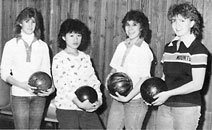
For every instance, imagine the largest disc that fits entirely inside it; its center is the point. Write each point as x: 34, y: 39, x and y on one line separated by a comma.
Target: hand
x: 94, y: 107
x: 87, y: 106
x: 148, y: 104
x: 120, y: 98
x: 47, y: 92
x: 108, y: 76
x: 28, y: 88
x: 160, y: 98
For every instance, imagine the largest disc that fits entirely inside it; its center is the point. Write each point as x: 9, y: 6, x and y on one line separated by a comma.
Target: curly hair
x: 76, y: 26
x: 139, y: 17
x: 25, y: 14
x: 188, y: 11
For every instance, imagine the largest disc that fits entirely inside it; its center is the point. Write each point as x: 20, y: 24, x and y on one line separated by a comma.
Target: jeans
x: 28, y: 111
x: 127, y: 115
x: 177, y: 118
x: 72, y: 119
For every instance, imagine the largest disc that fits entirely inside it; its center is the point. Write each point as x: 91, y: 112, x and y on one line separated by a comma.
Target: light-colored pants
x: 177, y: 118
x: 129, y: 115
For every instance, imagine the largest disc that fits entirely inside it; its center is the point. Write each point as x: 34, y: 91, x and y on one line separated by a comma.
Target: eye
x: 181, y: 20
x: 71, y: 35
x: 135, y: 24
x: 127, y: 24
x: 33, y: 21
x: 26, y: 21
x: 173, y: 20
x: 79, y: 35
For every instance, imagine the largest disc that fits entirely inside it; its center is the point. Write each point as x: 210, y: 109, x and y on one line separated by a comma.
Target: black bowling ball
x: 119, y: 82
x: 41, y: 80
x: 86, y: 93
x: 151, y: 87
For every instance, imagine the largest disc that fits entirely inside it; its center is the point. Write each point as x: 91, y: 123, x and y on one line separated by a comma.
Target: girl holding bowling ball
x: 184, y: 61
x: 133, y: 57
x: 23, y: 55
x: 71, y: 69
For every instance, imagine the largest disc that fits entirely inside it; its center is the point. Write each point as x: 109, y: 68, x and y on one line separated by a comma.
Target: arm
x: 196, y: 84
x: 6, y: 68
x: 93, y: 81
x: 135, y: 91
x: 143, y: 72
x: 45, y: 67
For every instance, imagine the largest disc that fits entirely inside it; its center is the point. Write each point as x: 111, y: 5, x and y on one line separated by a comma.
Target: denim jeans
x: 72, y: 119
x: 177, y: 118
x: 28, y: 111
x: 127, y: 115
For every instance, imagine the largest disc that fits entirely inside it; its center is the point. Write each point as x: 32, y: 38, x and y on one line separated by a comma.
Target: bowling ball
x: 41, y: 80
x: 86, y: 93
x: 151, y: 87
x: 119, y: 82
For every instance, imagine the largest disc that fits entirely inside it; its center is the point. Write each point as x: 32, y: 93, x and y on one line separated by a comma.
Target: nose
x: 76, y: 39
x: 177, y: 24
x: 130, y: 27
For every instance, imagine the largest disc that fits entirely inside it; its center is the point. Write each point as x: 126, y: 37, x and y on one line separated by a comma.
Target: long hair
x: 25, y: 14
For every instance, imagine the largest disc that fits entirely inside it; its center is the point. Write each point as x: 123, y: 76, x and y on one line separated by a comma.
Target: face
x: 28, y: 25
x: 181, y: 26
x: 73, y: 40
x: 132, y: 29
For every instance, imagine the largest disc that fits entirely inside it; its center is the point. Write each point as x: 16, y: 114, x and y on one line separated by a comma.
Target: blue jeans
x: 72, y: 119
x: 177, y: 118
x: 28, y: 111
x: 129, y: 115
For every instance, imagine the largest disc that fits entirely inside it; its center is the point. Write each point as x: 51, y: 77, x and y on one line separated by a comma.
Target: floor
x: 6, y: 122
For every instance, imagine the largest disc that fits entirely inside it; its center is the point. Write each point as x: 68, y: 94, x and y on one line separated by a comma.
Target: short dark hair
x: 188, y: 11
x: 76, y: 26
x: 139, y: 17
x: 26, y: 13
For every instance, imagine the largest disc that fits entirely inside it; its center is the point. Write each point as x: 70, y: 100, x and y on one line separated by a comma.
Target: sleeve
x: 6, y: 62
x: 145, y: 64
x: 58, y: 70
x: 93, y: 80
x: 45, y: 66
x: 117, y: 57
x: 164, y: 51
x: 199, y: 57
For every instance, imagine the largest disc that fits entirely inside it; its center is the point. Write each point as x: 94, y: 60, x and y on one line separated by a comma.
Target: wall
x: 103, y: 17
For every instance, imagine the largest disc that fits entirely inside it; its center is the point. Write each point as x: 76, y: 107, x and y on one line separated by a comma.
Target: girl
x: 72, y: 69
x: 133, y: 57
x: 185, y: 61
x: 23, y: 55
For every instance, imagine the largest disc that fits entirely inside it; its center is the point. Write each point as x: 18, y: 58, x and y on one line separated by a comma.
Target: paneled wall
x: 103, y: 17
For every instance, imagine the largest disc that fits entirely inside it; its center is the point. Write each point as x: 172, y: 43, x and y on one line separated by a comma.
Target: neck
x: 131, y: 42
x: 134, y: 40
x: 188, y: 39
x: 27, y: 37
x: 74, y: 52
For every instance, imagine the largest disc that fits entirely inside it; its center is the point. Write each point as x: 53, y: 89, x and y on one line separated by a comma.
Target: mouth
x: 76, y: 44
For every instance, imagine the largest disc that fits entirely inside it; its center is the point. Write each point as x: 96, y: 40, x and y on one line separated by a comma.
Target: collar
x: 186, y: 40
x: 173, y: 40
x: 19, y: 36
x: 138, y: 43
